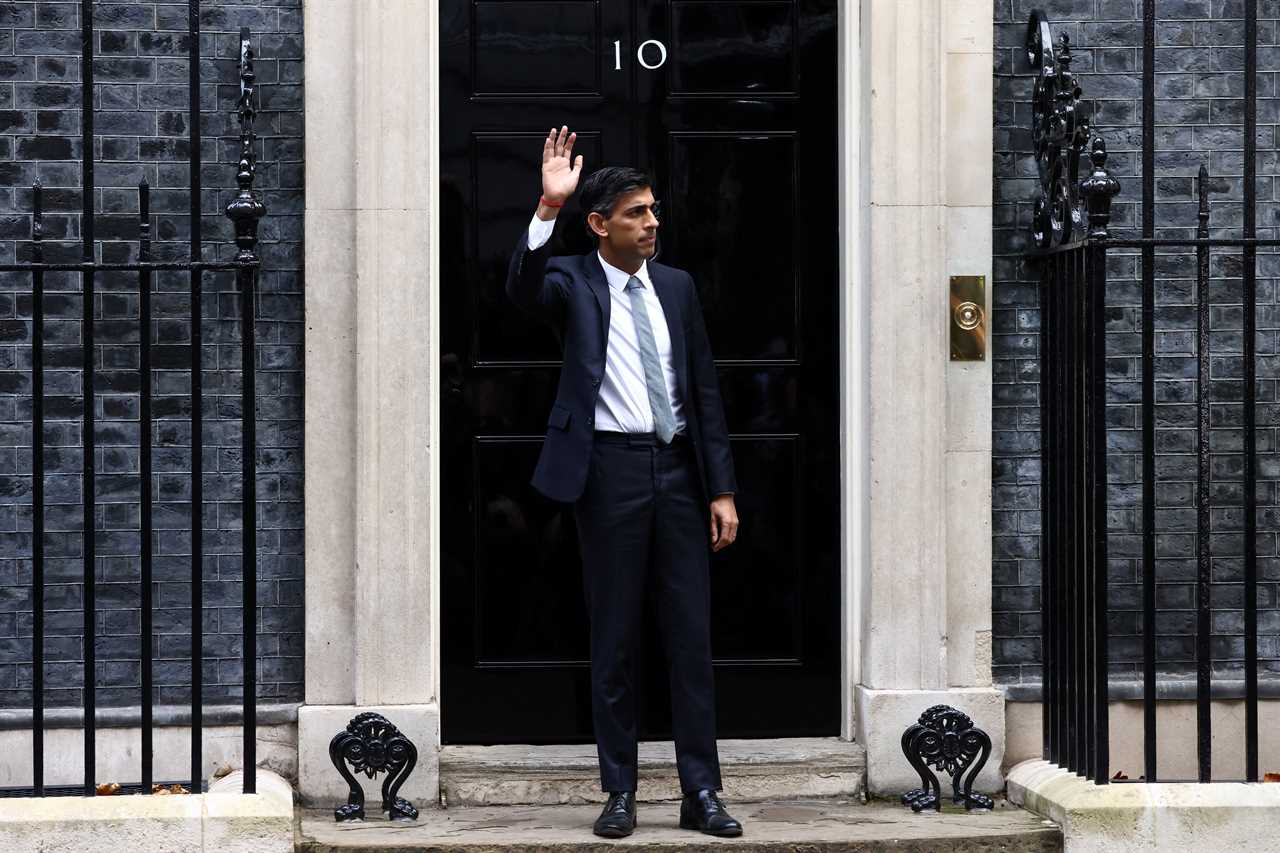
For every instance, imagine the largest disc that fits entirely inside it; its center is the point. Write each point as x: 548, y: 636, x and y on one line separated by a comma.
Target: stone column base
x: 319, y: 784
x: 1137, y: 817
x: 224, y: 820
x: 883, y: 715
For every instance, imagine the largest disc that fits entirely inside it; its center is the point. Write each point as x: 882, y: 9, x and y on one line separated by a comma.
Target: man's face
x: 632, y: 226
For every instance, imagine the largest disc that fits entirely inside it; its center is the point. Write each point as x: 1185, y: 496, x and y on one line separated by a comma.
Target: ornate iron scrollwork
x: 373, y: 745
x: 1060, y: 136
x: 947, y: 740
x: 246, y: 209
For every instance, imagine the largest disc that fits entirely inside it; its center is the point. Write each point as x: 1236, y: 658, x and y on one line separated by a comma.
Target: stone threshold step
x: 751, y: 770
x: 812, y: 826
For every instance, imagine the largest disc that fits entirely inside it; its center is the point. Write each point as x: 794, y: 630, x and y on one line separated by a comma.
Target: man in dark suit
x: 637, y: 442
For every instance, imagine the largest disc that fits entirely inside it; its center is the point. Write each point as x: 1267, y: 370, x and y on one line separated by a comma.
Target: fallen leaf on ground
x: 106, y: 789
x: 1120, y: 776
x: 172, y: 789
x: 1271, y: 777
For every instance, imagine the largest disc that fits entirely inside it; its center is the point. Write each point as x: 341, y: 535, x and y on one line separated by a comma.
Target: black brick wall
x: 141, y: 105
x: 1199, y: 118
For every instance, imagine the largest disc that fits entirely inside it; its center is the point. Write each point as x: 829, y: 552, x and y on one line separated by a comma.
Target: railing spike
x: 144, y: 210
x: 246, y: 209
x: 37, y: 219
x: 1202, y: 185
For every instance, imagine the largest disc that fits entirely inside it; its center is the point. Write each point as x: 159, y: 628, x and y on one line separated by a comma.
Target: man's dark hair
x: 603, y: 187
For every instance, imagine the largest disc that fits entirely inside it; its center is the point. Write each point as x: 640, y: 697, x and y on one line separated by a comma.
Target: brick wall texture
x: 141, y: 127
x: 1199, y: 88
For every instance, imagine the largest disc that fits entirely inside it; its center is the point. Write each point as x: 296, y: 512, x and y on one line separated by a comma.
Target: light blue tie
x: 655, y: 383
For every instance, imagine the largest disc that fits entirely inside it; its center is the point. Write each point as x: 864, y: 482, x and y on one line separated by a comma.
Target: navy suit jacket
x: 571, y: 293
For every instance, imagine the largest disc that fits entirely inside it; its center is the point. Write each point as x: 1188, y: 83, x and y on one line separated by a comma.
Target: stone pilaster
x: 925, y: 589
x: 330, y: 354
x: 371, y: 162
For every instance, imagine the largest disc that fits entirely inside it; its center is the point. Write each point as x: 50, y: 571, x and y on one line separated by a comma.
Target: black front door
x: 732, y: 107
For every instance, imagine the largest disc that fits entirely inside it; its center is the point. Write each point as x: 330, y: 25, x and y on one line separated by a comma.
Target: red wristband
x: 543, y: 199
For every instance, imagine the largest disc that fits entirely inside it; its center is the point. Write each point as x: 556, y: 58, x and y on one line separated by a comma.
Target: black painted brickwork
x: 141, y: 128
x: 1199, y: 118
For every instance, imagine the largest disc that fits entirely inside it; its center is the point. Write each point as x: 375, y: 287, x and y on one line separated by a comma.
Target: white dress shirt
x: 623, y: 403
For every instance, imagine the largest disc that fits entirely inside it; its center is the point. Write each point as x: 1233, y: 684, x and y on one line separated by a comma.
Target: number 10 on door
x: 640, y: 54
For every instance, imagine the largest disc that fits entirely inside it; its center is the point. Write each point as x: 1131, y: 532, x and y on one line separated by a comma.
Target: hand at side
x: 724, y: 522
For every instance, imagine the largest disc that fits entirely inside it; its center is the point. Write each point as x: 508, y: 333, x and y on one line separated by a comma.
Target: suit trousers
x: 643, y: 520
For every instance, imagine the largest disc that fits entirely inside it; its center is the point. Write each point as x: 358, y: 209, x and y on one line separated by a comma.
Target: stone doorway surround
x: 925, y: 575
x: 915, y: 174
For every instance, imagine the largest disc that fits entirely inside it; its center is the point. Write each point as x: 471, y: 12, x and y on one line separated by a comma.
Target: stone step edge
x: 752, y: 771
x: 650, y: 790
x: 1031, y: 841
x: 578, y: 758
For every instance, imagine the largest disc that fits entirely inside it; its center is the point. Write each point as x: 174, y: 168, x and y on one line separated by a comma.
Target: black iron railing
x: 1070, y: 233
x: 1073, y: 264
x: 244, y: 211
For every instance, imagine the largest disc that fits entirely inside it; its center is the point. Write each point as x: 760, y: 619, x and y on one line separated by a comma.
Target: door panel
x: 719, y: 47
x: 558, y: 45
x: 760, y: 589
x: 736, y: 120
x: 528, y: 612
x: 733, y: 226
x: 501, y: 162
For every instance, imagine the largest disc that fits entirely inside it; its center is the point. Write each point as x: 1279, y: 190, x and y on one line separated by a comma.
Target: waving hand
x: 559, y: 170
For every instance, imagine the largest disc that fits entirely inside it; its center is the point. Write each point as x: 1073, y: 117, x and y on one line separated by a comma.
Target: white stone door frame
x: 372, y: 390
x: 924, y: 565
x: 371, y: 393
x: 854, y: 351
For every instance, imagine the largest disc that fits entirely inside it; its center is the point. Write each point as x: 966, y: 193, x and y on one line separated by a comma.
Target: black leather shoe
x: 618, y: 819
x: 703, y: 811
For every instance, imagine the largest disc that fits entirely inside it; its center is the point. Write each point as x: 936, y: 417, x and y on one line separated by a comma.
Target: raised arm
x: 528, y: 284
